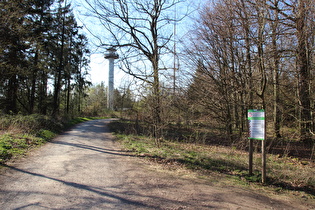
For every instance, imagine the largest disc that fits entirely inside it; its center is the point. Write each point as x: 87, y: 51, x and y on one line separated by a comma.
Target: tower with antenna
x: 111, y: 55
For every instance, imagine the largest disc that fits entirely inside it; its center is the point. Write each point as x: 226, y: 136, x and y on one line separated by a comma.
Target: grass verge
x: 19, y: 134
x: 283, y: 173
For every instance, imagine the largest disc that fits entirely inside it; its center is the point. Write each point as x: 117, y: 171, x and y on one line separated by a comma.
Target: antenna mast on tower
x: 174, y: 67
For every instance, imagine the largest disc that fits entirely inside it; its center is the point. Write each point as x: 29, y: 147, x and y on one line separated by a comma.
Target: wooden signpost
x: 257, y: 131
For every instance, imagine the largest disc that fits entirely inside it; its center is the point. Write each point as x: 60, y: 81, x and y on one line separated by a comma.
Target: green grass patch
x: 77, y: 120
x: 13, y: 145
x: 46, y: 134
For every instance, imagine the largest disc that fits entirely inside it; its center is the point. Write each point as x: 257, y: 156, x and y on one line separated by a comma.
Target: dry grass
x: 283, y: 172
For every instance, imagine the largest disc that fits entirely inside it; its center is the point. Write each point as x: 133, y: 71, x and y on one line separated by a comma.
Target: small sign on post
x: 257, y: 130
x: 256, y: 119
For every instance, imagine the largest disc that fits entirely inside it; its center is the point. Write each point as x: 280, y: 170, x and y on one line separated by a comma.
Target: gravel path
x: 84, y: 169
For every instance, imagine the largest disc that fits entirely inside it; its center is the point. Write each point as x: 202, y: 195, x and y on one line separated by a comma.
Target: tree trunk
x: 68, y: 95
x: 275, y: 72
x: 11, y: 105
x: 156, y: 79
x: 57, y: 88
x: 304, y: 75
x: 42, y: 96
x: 33, y: 84
x: 156, y: 102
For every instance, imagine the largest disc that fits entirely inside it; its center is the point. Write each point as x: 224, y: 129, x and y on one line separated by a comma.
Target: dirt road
x: 84, y: 169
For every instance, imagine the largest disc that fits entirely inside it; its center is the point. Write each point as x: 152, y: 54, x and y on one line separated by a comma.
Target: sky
x: 98, y: 68
x: 98, y: 64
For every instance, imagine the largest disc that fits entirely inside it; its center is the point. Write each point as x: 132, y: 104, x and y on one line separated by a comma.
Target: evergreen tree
x: 40, y: 42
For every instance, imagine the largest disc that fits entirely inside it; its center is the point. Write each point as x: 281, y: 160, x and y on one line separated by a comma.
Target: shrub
x: 29, y: 123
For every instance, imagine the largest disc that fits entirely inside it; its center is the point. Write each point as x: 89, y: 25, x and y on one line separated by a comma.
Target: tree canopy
x: 44, y: 57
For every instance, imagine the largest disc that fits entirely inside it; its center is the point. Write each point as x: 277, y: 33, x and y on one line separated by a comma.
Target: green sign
x: 256, y: 119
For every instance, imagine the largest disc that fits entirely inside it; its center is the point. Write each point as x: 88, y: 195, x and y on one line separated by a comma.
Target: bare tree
x: 274, y: 18
x: 216, y: 82
x: 141, y: 29
x: 303, y: 67
x: 299, y: 17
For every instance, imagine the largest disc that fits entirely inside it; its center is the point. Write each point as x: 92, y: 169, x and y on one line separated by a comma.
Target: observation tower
x: 111, y: 55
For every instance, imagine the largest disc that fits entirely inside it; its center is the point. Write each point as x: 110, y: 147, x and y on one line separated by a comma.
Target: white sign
x: 256, y: 119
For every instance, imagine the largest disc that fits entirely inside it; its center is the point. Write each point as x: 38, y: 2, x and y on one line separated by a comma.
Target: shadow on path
x: 96, y: 190
x: 93, y: 148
